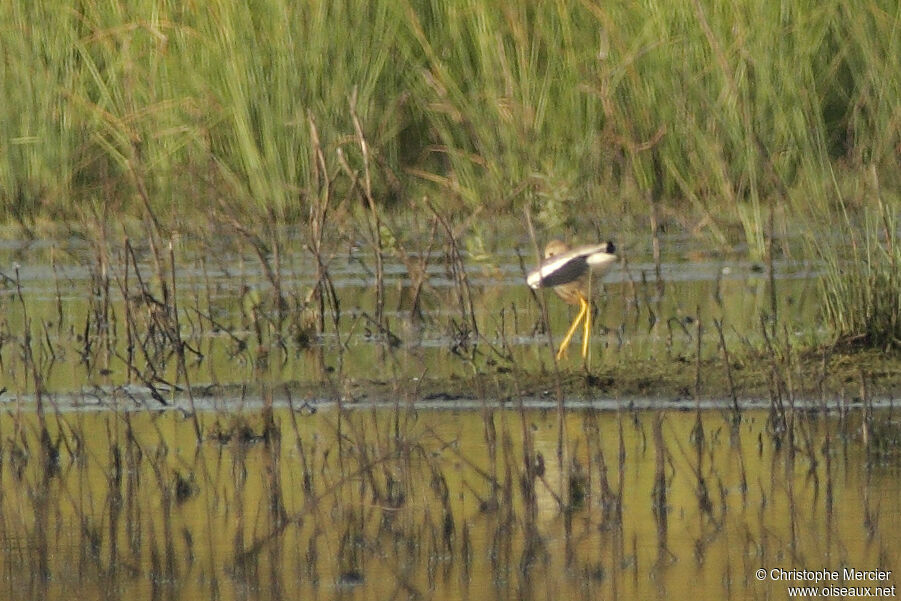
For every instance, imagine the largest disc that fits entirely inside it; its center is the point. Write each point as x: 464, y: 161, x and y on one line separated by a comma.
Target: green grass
x: 492, y: 103
x: 860, y: 288
x: 579, y: 112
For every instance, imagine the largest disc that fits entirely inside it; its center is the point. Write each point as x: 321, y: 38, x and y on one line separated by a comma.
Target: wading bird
x: 567, y: 270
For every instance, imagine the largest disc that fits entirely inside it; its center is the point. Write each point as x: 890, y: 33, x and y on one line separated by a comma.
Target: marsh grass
x: 132, y: 110
x: 862, y: 278
x: 254, y: 118
x: 467, y: 110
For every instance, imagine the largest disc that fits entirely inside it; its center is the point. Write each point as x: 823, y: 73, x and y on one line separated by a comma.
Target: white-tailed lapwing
x: 567, y: 271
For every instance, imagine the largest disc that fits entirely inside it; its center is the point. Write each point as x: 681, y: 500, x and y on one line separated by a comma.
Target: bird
x: 567, y: 270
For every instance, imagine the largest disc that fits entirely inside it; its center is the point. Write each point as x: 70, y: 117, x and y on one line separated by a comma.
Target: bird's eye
x: 610, y: 247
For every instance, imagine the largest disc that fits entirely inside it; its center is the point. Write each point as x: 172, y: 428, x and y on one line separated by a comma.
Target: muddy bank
x: 814, y: 377
x: 810, y: 377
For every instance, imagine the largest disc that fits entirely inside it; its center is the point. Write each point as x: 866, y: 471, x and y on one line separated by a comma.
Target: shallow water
x: 476, y: 315
x: 366, y: 484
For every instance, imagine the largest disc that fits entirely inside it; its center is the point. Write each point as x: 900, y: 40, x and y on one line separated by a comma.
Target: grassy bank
x: 332, y: 115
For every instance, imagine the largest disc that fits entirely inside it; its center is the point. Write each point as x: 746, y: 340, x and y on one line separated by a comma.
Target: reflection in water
x: 436, y: 504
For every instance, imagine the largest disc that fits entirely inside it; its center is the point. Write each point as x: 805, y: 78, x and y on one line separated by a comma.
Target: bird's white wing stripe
x: 600, y: 259
x: 549, y: 268
x: 534, y: 279
x: 594, y: 255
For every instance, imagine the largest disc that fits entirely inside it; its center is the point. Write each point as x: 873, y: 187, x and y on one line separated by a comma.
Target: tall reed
x: 862, y: 277
x: 159, y: 111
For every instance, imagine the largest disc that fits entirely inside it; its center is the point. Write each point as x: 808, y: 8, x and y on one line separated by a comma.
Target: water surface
x: 183, y: 434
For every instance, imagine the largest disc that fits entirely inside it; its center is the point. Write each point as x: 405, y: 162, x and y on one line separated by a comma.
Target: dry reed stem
x: 374, y: 223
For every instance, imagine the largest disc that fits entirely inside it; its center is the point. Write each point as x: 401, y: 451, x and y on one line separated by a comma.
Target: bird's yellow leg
x: 586, y: 333
x: 583, y: 310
